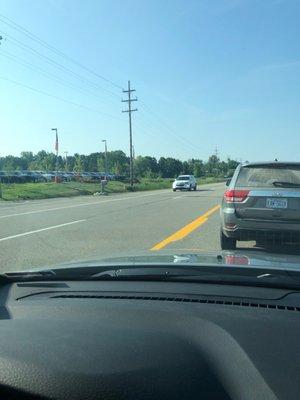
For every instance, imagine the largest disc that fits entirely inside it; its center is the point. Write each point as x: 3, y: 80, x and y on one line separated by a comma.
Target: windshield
x: 150, y: 129
x: 269, y: 177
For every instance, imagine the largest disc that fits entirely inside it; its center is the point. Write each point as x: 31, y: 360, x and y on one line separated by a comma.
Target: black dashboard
x: 148, y: 340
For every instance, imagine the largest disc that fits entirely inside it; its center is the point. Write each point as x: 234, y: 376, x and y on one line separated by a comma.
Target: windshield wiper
x: 212, y: 275
x: 286, y: 184
x: 39, y: 274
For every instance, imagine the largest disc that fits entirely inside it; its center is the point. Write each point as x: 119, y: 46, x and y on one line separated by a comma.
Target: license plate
x: 276, y: 203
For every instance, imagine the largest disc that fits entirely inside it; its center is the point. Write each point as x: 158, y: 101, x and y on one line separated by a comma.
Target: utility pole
x: 56, y: 149
x: 106, y: 169
x: 129, y: 111
x: 66, y: 154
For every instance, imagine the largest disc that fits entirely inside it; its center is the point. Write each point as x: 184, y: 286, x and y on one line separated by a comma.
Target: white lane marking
x: 178, y: 197
x: 78, y: 205
x: 40, y: 230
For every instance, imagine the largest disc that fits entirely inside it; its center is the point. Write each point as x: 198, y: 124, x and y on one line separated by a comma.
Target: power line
x: 161, y: 139
x: 154, y: 128
x: 161, y: 128
x: 61, y: 81
x: 34, y: 37
x: 57, y: 65
x: 160, y: 121
x: 151, y: 135
x: 171, y: 130
x: 57, y: 97
x: 49, y: 75
x: 9, y: 22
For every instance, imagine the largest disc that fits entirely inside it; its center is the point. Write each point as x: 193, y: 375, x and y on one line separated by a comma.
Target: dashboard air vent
x: 181, y: 299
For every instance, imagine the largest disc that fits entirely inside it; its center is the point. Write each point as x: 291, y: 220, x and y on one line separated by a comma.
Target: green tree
x: 187, y: 167
x: 117, y: 160
x: 118, y: 163
x: 198, y: 168
x: 78, y: 165
x: 43, y: 161
x: 212, y: 165
x: 11, y: 163
x: 232, y: 164
x: 169, y: 167
x: 27, y: 158
x: 146, y: 166
x: 92, y: 161
x: 101, y: 164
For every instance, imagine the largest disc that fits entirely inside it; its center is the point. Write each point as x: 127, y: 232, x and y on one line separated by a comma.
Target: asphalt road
x: 48, y: 232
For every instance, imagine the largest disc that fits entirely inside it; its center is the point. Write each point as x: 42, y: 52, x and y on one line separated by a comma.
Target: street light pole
x: 56, y: 148
x: 106, y: 169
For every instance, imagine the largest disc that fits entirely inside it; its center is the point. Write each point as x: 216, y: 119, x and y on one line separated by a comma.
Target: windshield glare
x: 266, y: 177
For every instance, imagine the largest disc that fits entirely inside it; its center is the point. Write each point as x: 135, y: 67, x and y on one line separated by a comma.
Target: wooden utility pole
x: 129, y: 111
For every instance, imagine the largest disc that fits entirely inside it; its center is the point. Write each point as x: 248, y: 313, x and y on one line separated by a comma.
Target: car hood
x: 214, y: 258
x: 218, y: 258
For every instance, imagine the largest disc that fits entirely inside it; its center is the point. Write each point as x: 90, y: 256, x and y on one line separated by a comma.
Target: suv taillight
x: 235, y: 196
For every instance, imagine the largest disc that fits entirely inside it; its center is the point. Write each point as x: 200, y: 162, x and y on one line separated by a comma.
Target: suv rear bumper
x: 263, y: 230
x: 264, y: 235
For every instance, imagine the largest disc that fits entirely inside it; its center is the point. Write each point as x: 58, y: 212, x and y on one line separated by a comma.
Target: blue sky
x: 222, y: 73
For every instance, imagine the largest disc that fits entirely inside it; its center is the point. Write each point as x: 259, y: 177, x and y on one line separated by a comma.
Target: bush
x: 130, y: 188
x: 135, y: 180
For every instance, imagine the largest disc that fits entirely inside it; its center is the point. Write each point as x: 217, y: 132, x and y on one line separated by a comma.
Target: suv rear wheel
x: 226, y: 242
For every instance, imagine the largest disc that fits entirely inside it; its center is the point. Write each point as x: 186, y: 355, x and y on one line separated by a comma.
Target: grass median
x: 31, y: 191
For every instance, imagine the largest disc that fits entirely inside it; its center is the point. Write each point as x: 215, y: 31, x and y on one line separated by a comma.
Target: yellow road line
x: 186, y: 230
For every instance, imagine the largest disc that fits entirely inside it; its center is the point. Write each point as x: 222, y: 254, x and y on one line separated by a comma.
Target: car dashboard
x: 148, y: 340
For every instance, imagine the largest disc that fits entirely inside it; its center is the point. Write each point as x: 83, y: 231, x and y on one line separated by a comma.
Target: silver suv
x: 262, y: 203
x: 187, y: 182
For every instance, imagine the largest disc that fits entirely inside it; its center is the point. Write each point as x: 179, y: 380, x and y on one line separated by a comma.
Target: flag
x: 56, y: 143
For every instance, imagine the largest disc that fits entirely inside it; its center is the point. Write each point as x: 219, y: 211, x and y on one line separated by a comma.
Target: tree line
x: 118, y: 163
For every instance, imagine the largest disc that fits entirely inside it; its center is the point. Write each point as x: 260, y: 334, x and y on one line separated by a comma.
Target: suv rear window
x: 272, y: 176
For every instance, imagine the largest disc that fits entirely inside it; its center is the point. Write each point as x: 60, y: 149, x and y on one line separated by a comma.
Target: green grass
x: 209, y: 179
x: 25, y: 191
x: 151, y: 184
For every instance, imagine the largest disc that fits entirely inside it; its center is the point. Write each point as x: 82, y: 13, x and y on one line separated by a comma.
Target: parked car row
x: 24, y: 176
x: 21, y: 176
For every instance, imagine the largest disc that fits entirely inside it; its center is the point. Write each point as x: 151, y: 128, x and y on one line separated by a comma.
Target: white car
x: 187, y: 182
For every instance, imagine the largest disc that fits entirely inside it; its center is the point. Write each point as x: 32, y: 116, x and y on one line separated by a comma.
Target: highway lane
x: 48, y: 232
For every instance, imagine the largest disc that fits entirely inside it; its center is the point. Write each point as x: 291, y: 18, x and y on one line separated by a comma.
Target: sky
x: 208, y: 74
